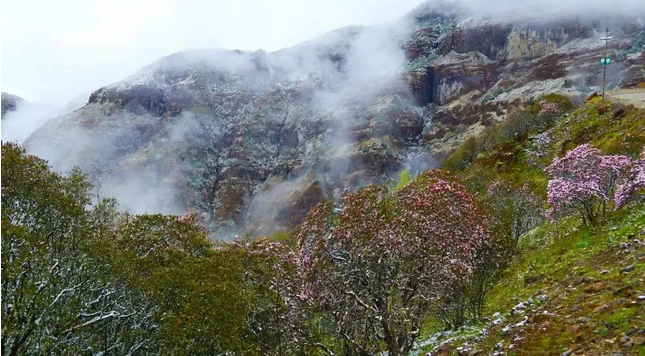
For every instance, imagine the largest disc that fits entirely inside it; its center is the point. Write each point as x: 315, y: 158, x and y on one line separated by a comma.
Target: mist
x: 55, y: 51
x: 552, y: 8
x: 352, y: 52
x: 18, y: 125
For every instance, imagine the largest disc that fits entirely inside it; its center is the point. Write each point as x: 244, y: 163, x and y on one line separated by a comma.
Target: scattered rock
x: 580, y: 337
x: 627, y: 269
x: 625, y: 291
x: 518, y: 325
x: 595, y: 288
x: 583, y: 320
x: 571, y: 350
x: 540, y: 318
x: 498, y: 319
x: 575, y: 308
x: 520, y: 308
x: 543, y: 297
x: 601, y: 308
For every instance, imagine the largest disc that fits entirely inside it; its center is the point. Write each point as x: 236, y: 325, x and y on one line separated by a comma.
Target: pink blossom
x: 633, y: 182
x: 402, y: 252
x: 584, y: 180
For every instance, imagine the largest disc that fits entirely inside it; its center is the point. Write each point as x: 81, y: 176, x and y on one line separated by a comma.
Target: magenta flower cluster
x: 585, y: 180
x: 633, y: 181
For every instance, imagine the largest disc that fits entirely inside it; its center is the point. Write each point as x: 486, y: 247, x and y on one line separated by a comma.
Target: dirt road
x: 634, y: 97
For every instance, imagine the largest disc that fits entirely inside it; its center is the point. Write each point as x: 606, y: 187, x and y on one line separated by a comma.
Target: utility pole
x: 605, y: 60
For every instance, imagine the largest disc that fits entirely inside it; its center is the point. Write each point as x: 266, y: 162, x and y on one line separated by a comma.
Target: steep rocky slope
x: 251, y: 140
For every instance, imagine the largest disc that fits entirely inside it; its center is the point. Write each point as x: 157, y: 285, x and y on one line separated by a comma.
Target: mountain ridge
x: 223, y: 134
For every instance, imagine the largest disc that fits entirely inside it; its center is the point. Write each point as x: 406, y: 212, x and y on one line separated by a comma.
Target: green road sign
x: 605, y: 61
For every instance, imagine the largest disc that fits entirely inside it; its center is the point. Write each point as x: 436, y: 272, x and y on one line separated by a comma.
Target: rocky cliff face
x: 252, y: 140
x: 10, y: 102
x: 454, y: 74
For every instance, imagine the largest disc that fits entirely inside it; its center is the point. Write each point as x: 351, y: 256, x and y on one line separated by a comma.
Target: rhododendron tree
x: 514, y: 210
x: 633, y: 181
x: 386, y: 261
x: 279, y: 315
x: 584, y: 180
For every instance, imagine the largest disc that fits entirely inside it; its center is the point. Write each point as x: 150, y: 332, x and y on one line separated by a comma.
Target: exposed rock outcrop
x: 252, y: 140
x: 455, y: 74
x: 10, y: 102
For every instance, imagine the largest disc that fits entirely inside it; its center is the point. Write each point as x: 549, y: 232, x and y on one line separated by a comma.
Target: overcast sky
x: 56, y: 50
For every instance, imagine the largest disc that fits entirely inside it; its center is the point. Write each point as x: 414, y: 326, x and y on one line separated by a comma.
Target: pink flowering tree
x: 633, y: 181
x: 278, y: 314
x: 385, y: 262
x: 584, y: 181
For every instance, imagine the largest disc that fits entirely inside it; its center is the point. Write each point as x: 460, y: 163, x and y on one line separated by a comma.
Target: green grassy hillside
x: 570, y: 289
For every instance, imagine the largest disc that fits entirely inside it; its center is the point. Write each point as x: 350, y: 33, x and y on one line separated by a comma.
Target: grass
x: 582, y: 284
x: 575, y: 275
x: 612, y: 128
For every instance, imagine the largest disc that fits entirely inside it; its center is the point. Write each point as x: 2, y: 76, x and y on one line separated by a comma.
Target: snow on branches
x: 385, y: 260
